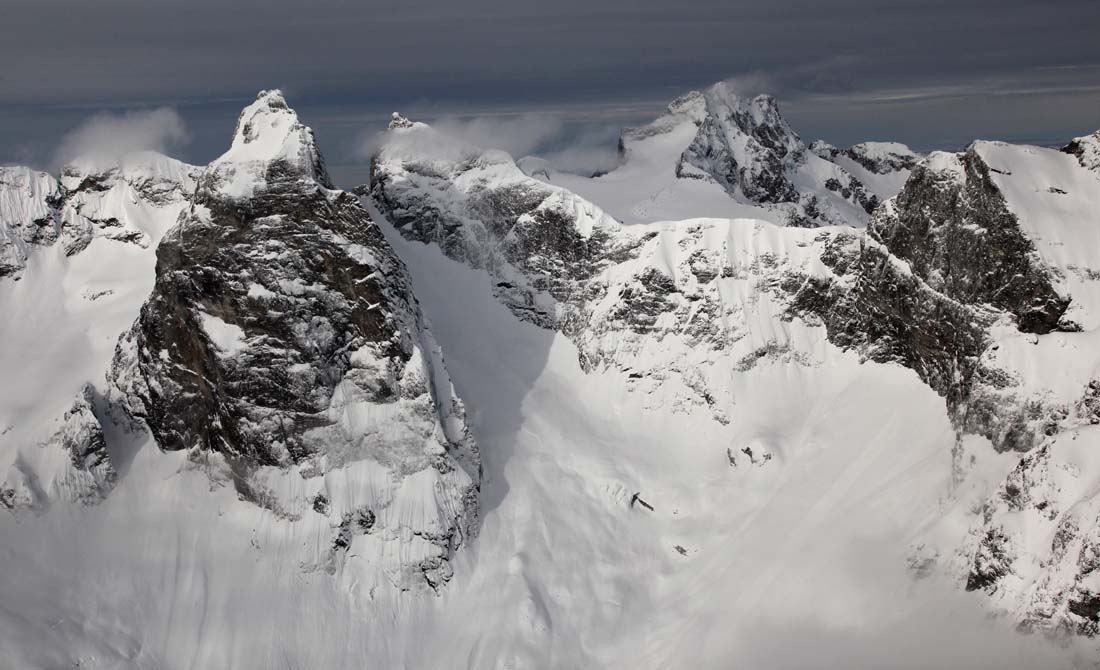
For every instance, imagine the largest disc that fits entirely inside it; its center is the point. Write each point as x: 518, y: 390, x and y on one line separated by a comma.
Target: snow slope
x: 882, y: 167
x: 1017, y: 227
x: 807, y: 545
x: 63, y: 317
x: 1057, y: 202
x: 568, y: 574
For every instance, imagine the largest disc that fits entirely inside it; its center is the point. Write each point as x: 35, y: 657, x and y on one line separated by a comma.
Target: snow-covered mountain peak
x: 132, y: 199
x: 278, y: 420
x: 1087, y: 150
x: 746, y: 147
x: 883, y: 157
x: 692, y: 104
x: 757, y: 117
x: 945, y: 165
x: 398, y: 121
x: 269, y: 144
x: 419, y: 142
x: 717, y: 153
x: 136, y: 168
x: 876, y: 158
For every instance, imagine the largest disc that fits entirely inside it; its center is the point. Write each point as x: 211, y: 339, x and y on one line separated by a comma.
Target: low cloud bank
x: 105, y: 138
x: 583, y: 146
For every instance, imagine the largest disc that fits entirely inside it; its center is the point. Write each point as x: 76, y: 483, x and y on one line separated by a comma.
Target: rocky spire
x: 398, y: 121
x: 282, y: 339
x: 270, y: 144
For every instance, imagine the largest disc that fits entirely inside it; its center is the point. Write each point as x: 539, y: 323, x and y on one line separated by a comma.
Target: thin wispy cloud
x: 571, y: 144
x: 105, y: 138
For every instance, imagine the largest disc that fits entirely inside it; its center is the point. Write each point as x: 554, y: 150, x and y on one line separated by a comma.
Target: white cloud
x: 105, y: 138
x: 576, y: 145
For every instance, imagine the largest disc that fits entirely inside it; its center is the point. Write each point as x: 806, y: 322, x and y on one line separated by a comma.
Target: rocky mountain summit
x: 875, y: 157
x: 1087, y: 150
x: 282, y: 335
x: 281, y: 348
x: 747, y: 148
x: 719, y: 154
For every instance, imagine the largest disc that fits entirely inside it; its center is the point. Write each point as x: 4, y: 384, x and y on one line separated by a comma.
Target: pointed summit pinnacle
x: 398, y: 121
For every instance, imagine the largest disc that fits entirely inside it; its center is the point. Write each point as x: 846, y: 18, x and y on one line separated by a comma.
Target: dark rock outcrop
x: 1087, y: 150
x: 282, y: 332
x: 952, y: 225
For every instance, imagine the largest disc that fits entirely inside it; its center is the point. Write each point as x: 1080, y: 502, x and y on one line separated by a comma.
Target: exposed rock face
x: 81, y: 437
x: 282, y: 335
x: 875, y: 157
x: 1013, y: 228
x: 746, y: 147
x: 1087, y: 150
x: 72, y: 465
x: 612, y: 289
x: 119, y: 202
x: 1036, y: 550
x: 29, y: 215
x: 876, y: 305
x: 953, y: 226
x: 540, y: 242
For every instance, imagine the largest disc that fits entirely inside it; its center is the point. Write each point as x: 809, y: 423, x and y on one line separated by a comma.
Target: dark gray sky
x: 932, y: 73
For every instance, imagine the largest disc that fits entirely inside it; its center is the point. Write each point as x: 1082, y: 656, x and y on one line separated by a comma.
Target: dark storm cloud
x: 932, y: 72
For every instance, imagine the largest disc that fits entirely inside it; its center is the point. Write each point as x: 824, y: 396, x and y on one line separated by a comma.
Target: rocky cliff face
x: 562, y: 264
x: 541, y: 242
x: 117, y: 201
x: 952, y: 225
x: 1008, y: 228
x: 746, y: 147
x: 71, y: 465
x: 282, y: 337
x: 744, y: 144
x: 875, y: 157
x: 1087, y: 150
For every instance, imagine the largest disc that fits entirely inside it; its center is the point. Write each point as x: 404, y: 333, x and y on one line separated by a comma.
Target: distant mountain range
x: 251, y: 420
